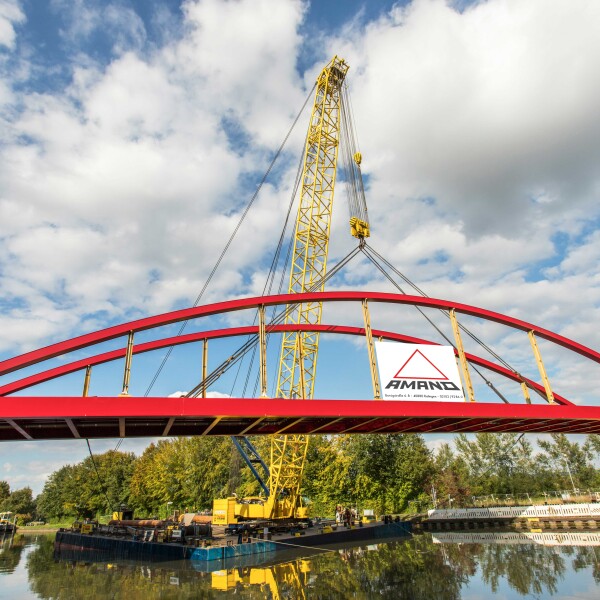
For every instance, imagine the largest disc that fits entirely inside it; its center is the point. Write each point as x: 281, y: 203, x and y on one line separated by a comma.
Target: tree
x: 392, y: 469
x: 570, y: 462
x: 451, y: 476
x: 104, y: 481
x: 95, y: 485
x: 4, y: 491
x: 593, y: 443
x: 497, y: 462
x: 20, y: 502
x: 189, y: 472
x: 142, y: 496
x: 60, y: 495
x: 330, y: 477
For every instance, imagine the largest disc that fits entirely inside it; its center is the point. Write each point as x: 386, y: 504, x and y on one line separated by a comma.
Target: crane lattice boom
x: 309, y: 265
x: 330, y: 123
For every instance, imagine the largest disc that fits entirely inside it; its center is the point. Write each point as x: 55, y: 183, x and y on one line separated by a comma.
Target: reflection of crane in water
x: 285, y: 580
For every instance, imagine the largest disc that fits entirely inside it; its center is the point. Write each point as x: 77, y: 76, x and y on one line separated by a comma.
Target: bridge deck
x: 44, y: 418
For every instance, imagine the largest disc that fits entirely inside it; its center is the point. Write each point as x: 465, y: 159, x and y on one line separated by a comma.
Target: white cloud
x: 214, y: 394
x: 483, y: 110
x: 245, y: 53
x: 479, y: 135
x: 10, y: 15
x: 435, y: 443
x: 209, y: 394
x: 83, y: 18
x: 114, y: 187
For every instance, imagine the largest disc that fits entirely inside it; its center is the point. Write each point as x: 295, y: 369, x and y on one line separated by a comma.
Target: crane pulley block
x: 359, y: 228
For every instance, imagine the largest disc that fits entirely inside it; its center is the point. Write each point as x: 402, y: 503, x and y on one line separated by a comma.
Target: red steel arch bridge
x: 33, y: 417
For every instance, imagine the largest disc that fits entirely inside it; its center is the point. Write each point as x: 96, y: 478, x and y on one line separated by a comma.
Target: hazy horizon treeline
x: 387, y: 473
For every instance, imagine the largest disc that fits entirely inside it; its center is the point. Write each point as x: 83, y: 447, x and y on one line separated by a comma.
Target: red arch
x: 105, y: 357
x: 89, y: 339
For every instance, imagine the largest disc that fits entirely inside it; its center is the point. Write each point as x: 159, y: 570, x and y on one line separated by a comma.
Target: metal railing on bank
x: 578, y: 496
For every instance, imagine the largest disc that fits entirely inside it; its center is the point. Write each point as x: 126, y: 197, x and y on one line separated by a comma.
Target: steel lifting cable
x: 274, y: 264
x: 332, y: 272
x: 299, y: 546
x: 357, y: 204
x: 365, y: 249
x: 231, y: 238
x: 238, y: 354
x: 252, y: 340
x: 321, y: 282
x: 284, y: 273
x: 104, y: 491
x: 462, y: 327
x: 356, y: 201
x: 474, y: 367
x: 356, y: 197
x: 347, y: 161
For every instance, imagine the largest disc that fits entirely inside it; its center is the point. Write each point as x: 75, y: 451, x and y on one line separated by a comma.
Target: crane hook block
x: 357, y: 158
x: 359, y: 228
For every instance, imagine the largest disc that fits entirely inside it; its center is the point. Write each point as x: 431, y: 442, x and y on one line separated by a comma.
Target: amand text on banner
x: 418, y: 372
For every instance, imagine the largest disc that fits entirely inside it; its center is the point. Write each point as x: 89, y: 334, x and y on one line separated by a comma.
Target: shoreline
x: 31, y: 530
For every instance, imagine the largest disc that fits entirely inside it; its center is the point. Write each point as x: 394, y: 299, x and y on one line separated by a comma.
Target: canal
x: 449, y: 566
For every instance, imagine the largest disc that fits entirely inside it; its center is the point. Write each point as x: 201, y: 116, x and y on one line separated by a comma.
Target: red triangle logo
x: 418, y: 366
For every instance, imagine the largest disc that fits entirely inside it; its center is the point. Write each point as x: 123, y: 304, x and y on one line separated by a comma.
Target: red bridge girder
x: 67, y: 417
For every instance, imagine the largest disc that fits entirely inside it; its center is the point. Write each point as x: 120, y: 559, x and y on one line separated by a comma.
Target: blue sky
x: 133, y: 133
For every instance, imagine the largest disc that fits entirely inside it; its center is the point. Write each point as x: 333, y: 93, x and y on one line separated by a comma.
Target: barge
x: 96, y: 543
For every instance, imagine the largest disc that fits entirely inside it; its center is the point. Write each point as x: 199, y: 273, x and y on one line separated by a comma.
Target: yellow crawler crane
x: 298, y: 357
x: 330, y: 120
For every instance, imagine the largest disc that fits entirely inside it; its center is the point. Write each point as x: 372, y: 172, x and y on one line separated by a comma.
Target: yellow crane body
x: 297, y: 364
x: 299, y: 351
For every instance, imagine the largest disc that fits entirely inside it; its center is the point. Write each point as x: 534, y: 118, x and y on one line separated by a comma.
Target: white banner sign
x: 418, y: 372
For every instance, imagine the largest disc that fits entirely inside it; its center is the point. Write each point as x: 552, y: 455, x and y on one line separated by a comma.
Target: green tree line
x: 387, y: 473
x: 506, y: 464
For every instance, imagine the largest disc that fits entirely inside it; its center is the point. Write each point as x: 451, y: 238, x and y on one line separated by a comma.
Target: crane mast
x: 330, y: 122
x: 298, y: 356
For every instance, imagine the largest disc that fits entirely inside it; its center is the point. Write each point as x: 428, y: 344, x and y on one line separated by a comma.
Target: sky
x: 133, y: 133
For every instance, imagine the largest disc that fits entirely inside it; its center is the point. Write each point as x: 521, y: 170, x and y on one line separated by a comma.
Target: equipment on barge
x: 188, y: 528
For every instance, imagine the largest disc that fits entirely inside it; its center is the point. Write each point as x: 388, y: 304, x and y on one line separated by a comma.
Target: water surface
x: 443, y: 566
